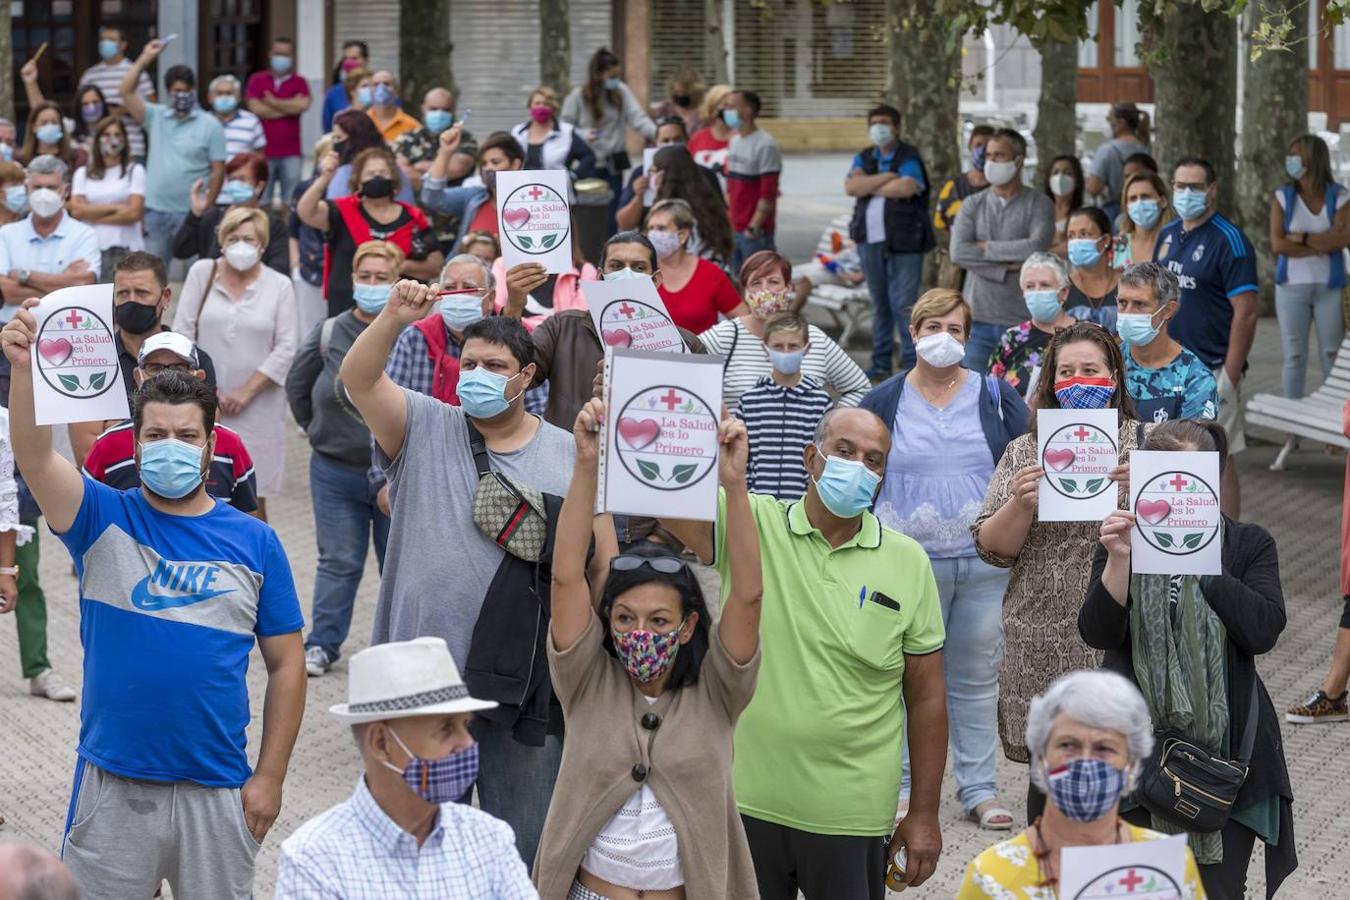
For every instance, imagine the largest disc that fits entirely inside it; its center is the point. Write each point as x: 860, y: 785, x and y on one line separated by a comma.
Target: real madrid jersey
x: 1214, y: 263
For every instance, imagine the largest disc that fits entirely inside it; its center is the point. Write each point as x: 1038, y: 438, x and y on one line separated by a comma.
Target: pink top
x: 566, y: 293
x: 283, y: 134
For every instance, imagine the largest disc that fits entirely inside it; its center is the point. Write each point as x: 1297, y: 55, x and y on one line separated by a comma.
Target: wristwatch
x: 24, y: 275
x: 9, y: 570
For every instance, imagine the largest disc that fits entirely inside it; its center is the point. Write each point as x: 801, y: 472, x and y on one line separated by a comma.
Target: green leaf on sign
x: 1094, y: 485
x: 69, y: 382
x: 1070, y: 486
x: 1163, y: 538
x: 97, y: 380
x: 1191, y: 541
x: 524, y: 241
x: 547, y: 240
x: 681, y: 474
x: 650, y: 470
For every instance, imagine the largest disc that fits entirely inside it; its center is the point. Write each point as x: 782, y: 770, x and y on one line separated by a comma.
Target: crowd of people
x: 569, y: 716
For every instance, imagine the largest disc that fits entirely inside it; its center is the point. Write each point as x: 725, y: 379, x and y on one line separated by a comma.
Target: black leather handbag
x: 1190, y: 787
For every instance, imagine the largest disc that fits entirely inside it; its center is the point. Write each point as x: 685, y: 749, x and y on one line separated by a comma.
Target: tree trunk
x: 1195, y: 115
x: 715, y: 67
x: 424, y: 49
x: 555, y: 45
x: 6, y: 64
x: 1056, y: 117
x: 1274, y: 111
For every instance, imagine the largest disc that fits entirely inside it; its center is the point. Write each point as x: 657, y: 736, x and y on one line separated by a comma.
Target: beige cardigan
x: 688, y: 766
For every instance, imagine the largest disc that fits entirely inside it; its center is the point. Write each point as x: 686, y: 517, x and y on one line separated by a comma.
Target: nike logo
x: 194, y: 581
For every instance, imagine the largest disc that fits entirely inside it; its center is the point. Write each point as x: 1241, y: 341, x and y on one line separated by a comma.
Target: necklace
x: 934, y: 395
x: 1041, y: 850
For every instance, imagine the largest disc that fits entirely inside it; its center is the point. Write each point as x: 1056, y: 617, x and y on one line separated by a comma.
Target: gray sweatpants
x: 125, y: 836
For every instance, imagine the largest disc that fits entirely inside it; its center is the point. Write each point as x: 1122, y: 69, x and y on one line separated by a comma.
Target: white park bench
x: 847, y: 307
x: 1317, y: 416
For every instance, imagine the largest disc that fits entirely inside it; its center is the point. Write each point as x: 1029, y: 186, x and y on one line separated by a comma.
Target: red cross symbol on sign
x: 74, y: 319
x: 535, y: 193
x: 1082, y: 433
x: 627, y: 311
x: 1178, y: 482
x: 1131, y: 881
x: 671, y: 399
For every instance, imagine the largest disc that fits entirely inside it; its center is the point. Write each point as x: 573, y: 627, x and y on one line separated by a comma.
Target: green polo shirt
x: 819, y: 747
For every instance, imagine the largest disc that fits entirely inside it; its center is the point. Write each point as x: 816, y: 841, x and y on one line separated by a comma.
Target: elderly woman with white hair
x: 1088, y: 735
x: 1045, y: 287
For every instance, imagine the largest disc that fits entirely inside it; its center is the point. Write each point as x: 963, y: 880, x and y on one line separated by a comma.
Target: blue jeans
x: 345, y: 518
x: 160, y: 227
x: 893, y: 281
x: 284, y: 171
x: 983, y: 341
x: 515, y: 781
x: 743, y: 247
x: 1297, y: 306
x: 971, y: 593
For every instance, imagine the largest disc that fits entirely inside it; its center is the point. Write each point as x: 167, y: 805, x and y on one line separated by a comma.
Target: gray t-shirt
x: 1108, y: 164
x: 438, y: 565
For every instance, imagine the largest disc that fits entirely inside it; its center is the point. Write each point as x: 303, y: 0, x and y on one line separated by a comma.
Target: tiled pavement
x: 1300, y: 506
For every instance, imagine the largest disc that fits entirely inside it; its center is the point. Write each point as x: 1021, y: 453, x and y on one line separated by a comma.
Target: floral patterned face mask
x: 765, y: 303
x: 645, y: 654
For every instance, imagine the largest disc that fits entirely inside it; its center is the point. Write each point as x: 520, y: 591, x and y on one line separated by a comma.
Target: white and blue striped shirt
x: 780, y: 422
x: 354, y: 851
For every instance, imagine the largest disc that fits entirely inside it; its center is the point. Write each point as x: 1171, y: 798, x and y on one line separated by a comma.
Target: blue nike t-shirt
x: 170, y: 607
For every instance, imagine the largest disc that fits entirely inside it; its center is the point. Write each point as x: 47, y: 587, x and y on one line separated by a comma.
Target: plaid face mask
x: 443, y: 780
x: 645, y: 654
x: 1081, y: 392
x: 1085, y: 789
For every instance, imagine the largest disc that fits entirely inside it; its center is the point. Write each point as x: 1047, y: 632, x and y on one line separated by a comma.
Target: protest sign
x: 629, y: 314
x: 534, y: 218
x: 649, y: 195
x: 659, y: 456
x: 1078, y: 448
x: 76, y: 374
x: 1175, y: 498
x: 1140, y: 870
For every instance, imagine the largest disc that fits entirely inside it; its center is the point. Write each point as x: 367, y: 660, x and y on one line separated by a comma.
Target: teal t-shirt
x: 181, y: 151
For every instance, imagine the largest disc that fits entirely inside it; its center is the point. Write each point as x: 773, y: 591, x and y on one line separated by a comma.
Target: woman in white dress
x: 244, y: 314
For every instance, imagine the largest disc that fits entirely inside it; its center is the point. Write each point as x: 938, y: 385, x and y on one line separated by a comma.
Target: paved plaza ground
x: 1300, y: 506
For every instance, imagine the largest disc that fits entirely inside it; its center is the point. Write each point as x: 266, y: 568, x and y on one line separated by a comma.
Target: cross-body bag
x: 508, y: 514
x: 1190, y: 787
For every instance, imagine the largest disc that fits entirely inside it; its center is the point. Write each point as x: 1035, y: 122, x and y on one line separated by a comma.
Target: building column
x: 637, y: 67
x: 178, y: 18
x: 311, y: 64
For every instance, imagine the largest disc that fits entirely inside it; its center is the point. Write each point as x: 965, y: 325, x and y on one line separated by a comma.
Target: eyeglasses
x: 666, y: 565
x: 150, y: 370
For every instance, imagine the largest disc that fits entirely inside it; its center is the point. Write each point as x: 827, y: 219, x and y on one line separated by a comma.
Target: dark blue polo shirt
x: 1214, y: 263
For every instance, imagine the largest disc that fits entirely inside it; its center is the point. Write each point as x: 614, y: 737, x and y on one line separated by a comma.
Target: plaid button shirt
x: 354, y: 851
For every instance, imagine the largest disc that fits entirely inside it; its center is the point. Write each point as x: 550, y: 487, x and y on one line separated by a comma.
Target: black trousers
x: 821, y: 866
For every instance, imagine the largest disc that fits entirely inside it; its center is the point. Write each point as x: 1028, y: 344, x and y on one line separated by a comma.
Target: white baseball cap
x: 402, y: 679
x: 179, y: 345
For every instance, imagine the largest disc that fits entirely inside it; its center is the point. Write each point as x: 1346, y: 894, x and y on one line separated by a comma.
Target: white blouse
x: 9, y: 490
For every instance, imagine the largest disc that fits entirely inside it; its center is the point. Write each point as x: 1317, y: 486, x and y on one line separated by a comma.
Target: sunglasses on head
x: 666, y: 565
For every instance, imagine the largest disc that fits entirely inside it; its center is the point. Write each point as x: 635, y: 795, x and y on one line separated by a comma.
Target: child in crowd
x: 781, y: 412
x: 841, y: 266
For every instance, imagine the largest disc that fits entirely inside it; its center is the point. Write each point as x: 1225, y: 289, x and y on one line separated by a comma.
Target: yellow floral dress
x: 1009, y: 871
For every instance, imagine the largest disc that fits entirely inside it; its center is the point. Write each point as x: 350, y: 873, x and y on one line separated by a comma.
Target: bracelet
x: 9, y: 570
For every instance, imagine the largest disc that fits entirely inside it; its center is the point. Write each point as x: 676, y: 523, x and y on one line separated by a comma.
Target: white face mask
x: 45, y: 202
x: 242, y: 256
x: 1000, y: 173
x: 1061, y: 184
x: 940, y: 350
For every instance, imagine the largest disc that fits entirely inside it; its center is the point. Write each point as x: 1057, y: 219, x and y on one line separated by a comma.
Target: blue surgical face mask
x: 1084, y: 252
x: 482, y: 394
x: 49, y: 133
x: 459, y: 311
x: 1144, y: 213
x: 281, y: 63
x: 612, y: 83
x: 1136, y: 329
x: 1293, y: 165
x: 1043, y: 305
x: 623, y: 275
x: 237, y: 191
x: 364, y: 95
x: 7, y: 152
x: 1085, y: 789
x: 107, y: 49
x: 16, y: 197
x: 731, y: 118
x: 225, y: 103
x: 442, y: 780
x: 370, y: 298
x: 1189, y: 204
x: 846, y: 486
x: 171, y: 468
x: 383, y: 94
x: 437, y: 120
x: 789, y: 362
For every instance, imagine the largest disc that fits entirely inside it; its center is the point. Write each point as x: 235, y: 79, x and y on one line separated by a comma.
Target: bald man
x: 29, y: 872
x: 416, y: 150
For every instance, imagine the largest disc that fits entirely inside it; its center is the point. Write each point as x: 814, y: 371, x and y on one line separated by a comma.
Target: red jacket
x: 445, y: 363
x: 357, y: 226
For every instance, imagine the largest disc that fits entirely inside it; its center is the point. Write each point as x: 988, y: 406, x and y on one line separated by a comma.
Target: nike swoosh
x: 142, y: 598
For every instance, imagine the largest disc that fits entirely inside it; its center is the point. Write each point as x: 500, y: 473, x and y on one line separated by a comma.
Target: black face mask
x: 339, y: 147
x: 136, y: 318
x: 681, y: 99
x: 377, y: 187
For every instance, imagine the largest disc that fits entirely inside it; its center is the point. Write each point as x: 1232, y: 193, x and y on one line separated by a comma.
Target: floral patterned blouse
x: 1018, y: 354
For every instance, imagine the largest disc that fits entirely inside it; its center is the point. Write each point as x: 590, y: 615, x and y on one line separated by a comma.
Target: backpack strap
x: 991, y: 382
x: 478, y: 447
x: 326, y: 336
x: 735, y: 338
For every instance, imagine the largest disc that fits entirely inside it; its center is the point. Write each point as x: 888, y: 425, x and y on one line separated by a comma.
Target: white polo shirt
x: 22, y: 248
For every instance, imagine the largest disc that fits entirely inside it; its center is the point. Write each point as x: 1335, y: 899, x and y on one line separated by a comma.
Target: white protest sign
x: 660, y: 444
x: 1077, y: 448
x: 1139, y: 870
x: 76, y: 374
x: 1175, y: 498
x: 534, y: 218
x: 649, y: 195
x: 629, y: 314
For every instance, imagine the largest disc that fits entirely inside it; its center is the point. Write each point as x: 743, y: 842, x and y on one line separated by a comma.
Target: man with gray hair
x: 1165, y: 380
x: 243, y: 130
x: 30, y: 872
x: 47, y: 249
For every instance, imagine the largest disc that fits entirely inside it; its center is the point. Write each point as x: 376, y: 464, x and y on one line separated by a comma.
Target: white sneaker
x: 316, y: 661
x: 50, y: 685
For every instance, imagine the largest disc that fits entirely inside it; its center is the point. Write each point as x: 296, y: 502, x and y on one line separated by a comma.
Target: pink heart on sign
x: 55, y: 351
x: 618, y: 338
x: 1153, y: 511
x: 516, y: 217
x: 638, y: 433
x: 1059, y: 460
